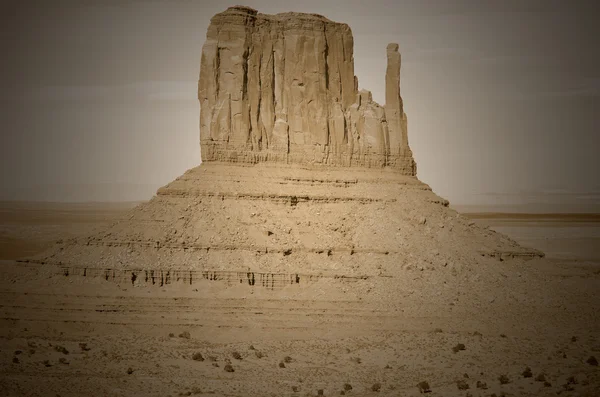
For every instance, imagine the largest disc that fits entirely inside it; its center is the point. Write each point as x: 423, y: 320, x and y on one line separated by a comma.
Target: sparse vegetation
x: 347, y: 386
x: 63, y: 360
x: 15, y: 360
x: 84, y: 347
x: 129, y: 371
x: 185, y: 335
x: 171, y: 335
x: 592, y: 361
x: 47, y: 363
x: 527, y: 373
x: 376, y: 387
x: 251, y: 347
x: 281, y: 365
x: 540, y: 378
x: 295, y: 389
x: 481, y: 385
x: 61, y: 349
x: 503, y: 379
x: 462, y: 385
x: 197, y: 357
x: 424, y: 387
x: 229, y: 368
x: 236, y: 355
x: 287, y: 359
x: 458, y: 348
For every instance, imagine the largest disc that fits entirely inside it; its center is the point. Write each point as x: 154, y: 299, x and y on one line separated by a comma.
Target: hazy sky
x: 99, y: 97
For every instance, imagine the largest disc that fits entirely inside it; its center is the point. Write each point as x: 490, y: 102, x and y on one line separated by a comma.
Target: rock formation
x: 326, y: 184
x: 282, y: 88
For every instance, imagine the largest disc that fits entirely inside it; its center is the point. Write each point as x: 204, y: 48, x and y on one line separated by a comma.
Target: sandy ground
x: 72, y: 335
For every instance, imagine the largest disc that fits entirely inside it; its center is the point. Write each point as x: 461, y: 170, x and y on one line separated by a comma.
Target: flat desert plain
x: 513, y: 329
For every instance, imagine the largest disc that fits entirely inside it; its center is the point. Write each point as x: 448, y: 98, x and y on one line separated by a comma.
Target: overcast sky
x: 503, y: 97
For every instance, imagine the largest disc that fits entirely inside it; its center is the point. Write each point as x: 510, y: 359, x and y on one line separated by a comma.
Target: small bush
x: 347, y: 386
x: 16, y: 360
x: 281, y: 365
x: 236, y: 355
x: 592, y: 361
x: 63, y: 360
x: 458, y: 348
x: 185, y: 335
x: 197, y: 357
x: 424, y: 387
x: 376, y: 387
x: 527, y: 373
x: 228, y: 368
x: 287, y: 359
x: 540, y: 378
x: 503, y: 379
x: 129, y: 371
x: 171, y: 335
x: 47, y: 363
x: 251, y: 347
x: 462, y: 385
x: 61, y: 349
x: 481, y: 385
x: 295, y: 389
x: 84, y: 347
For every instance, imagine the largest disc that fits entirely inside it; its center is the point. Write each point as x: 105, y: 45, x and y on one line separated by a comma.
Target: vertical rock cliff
x: 282, y: 88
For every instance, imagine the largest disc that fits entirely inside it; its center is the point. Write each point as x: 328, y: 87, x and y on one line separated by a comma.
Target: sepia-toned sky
x: 98, y: 98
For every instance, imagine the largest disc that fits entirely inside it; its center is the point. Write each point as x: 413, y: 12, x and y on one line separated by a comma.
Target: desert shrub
x: 376, y: 387
x: 185, y: 335
x: 63, y: 360
x: 228, y: 368
x: 527, y: 373
x: 281, y: 365
x: 129, y: 371
x: 424, y: 387
x: 592, y: 361
x: 462, y: 385
x: 84, y: 347
x: 15, y: 360
x: 540, y: 378
x: 287, y: 359
x: 197, y: 357
x: 347, y: 386
x: 503, y: 379
x: 458, y: 348
x: 61, y: 349
x: 236, y: 355
x: 481, y: 385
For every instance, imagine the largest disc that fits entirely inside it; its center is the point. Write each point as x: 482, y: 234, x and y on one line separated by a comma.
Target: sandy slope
x: 393, y: 331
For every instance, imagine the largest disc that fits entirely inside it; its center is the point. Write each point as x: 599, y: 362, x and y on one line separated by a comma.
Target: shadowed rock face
x: 282, y: 88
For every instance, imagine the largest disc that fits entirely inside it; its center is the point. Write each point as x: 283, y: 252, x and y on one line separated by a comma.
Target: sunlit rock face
x: 281, y: 88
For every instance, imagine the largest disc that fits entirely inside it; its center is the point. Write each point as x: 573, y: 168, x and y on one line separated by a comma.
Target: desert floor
x: 469, y: 334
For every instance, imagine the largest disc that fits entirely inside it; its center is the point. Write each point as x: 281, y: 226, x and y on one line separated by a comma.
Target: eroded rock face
x: 282, y: 88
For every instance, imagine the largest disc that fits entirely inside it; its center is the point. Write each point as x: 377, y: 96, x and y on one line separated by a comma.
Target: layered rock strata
x: 282, y: 88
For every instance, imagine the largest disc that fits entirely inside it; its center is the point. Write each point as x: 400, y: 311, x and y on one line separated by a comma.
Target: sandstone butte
x: 303, y: 176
